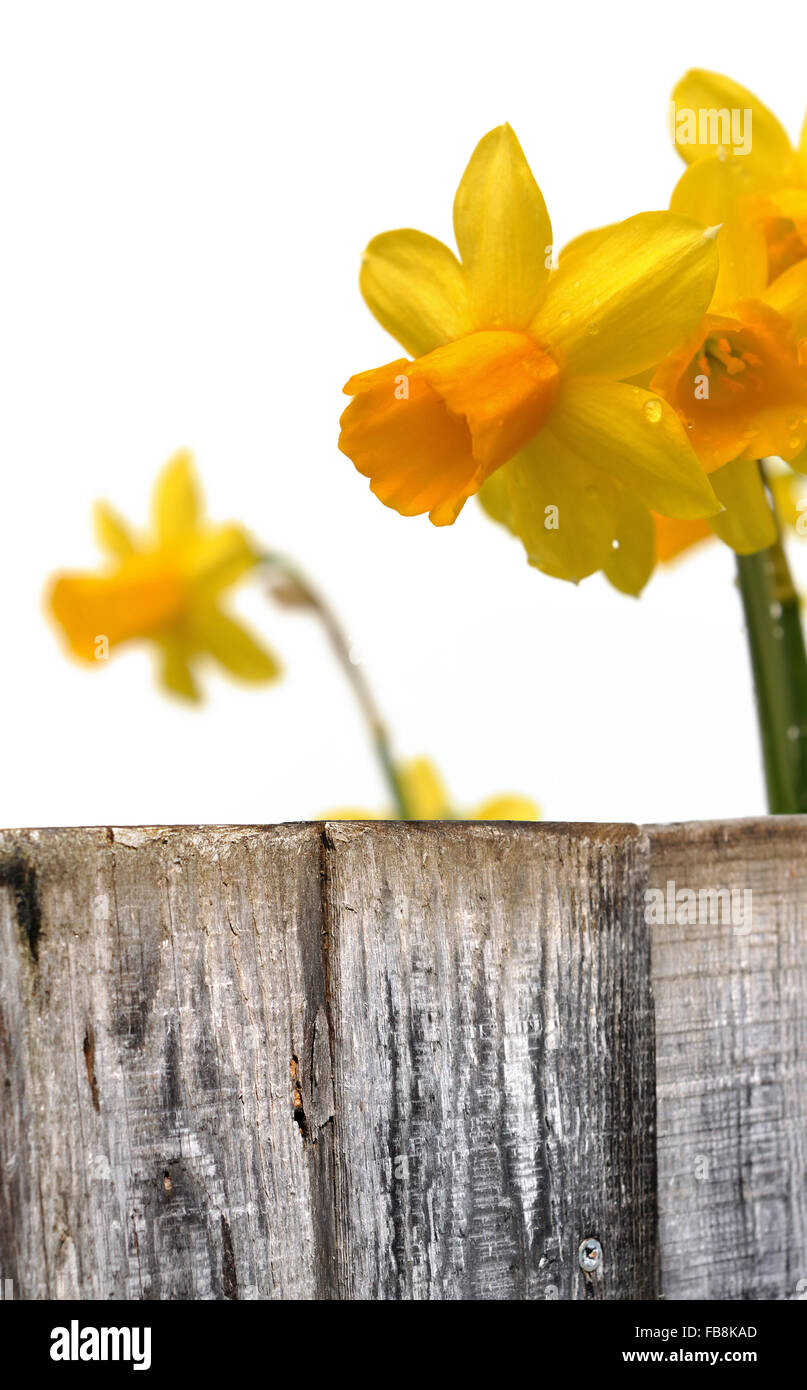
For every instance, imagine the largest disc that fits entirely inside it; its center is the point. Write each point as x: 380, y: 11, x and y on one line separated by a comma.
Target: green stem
x: 779, y: 666
x: 306, y: 595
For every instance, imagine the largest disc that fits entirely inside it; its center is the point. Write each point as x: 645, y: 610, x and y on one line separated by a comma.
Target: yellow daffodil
x: 743, y: 173
x: 739, y: 384
x: 517, y: 378
x: 427, y: 799
x: 165, y: 588
x: 739, y: 388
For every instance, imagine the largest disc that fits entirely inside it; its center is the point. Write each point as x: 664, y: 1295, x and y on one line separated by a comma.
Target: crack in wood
x: 88, y: 1048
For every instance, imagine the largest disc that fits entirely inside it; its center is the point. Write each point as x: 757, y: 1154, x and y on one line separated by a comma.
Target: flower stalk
x: 290, y: 586
x: 779, y: 667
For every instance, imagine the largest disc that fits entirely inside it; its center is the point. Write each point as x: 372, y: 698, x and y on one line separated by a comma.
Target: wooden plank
x: 493, y: 1061
x: 372, y: 1061
x: 387, y: 1061
x: 155, y: 985
x: 731, y: 1029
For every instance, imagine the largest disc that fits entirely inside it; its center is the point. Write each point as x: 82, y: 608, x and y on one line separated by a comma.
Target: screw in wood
x: 590, y: 1254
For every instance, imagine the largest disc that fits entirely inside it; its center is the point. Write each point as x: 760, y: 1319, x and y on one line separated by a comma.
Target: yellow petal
x: 792, y: 203
x: 234, y: 648
x: 721, y: 192
x: 503, y: 232
x: 747, y: 524
x: 175, y: 673
x: 113, y: 534
x: 501, y: 383
x: 427, y: 433
x: 703, y: 103
x: 494, y: 496
x: 563, y: 510
x: 215, y: 558
x: 143, y: 597
x: 507, y: 806
x: 788, y: 498
x: 176, y: 503
x: 633, y: 298
x: 416, y: 289
x: 788, y: 296
x: 399, y: 433
x: 784, y: 213
x: 631, y: 562
x: 638, y: 438
x: 585, y: 242
x: 424, y: 791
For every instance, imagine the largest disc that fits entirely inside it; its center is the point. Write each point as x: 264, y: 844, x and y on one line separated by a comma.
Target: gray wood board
x: 731, y: 1061
x: 380, y: 1061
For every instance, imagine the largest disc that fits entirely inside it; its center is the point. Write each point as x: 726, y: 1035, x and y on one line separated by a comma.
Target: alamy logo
x: 724, y: 129
x: 688, y: 907
x: 75, y: 1343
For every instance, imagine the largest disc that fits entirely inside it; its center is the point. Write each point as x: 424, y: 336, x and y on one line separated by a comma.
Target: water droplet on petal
x: 652, y: 410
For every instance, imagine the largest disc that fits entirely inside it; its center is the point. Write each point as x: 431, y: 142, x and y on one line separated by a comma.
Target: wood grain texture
x: 306, y: 1062
x: 383, y: 1061
x: 155, y: 986
x: 731, y: 1029
x: 493, y: 1051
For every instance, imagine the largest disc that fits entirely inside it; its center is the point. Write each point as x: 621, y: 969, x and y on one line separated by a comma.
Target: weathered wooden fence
x: 404, y: 1061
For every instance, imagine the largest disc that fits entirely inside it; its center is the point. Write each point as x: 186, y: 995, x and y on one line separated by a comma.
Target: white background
x: 186, y: 190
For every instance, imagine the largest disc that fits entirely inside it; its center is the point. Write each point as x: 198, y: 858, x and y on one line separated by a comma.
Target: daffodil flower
x: 751, y: 355
x: 165, y: 588
x: 426, y: 798
x: 743, y: 173
x: 517, y: 379
x: 740, y: 384
x: 739, y: 388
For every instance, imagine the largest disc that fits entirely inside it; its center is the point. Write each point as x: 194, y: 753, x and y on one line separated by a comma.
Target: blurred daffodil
x: 165, y: 588
x: 517, y: 384
x: 426, y: 798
